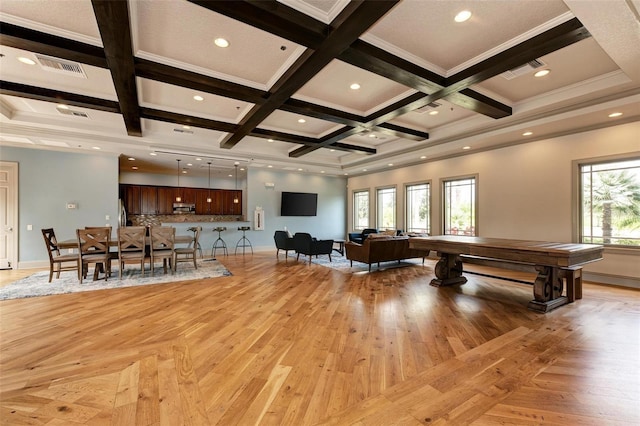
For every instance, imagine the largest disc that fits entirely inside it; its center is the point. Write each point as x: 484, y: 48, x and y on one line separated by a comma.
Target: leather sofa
x: 376, y: 249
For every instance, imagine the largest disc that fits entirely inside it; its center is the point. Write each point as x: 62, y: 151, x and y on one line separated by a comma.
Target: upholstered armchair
x: 283, y: 242
x: 359, y: 237
x: 304, y: 243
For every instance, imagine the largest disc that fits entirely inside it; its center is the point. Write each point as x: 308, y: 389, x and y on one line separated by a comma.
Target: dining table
x: 72, y: 243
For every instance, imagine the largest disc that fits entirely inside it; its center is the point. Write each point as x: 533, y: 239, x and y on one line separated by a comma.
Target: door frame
x: 12, y: 209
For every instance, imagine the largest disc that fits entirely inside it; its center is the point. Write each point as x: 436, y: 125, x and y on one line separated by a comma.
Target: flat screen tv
x: 299, y: 204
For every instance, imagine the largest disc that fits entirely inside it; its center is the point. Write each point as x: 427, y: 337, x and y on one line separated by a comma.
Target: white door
x: 8, y: 215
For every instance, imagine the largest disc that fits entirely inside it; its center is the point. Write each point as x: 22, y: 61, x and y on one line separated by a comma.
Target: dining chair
x: 131, y: 247
x: 162, y: 246
x: 58, y: 262
x: 187, y: 254
x: 93, y: 247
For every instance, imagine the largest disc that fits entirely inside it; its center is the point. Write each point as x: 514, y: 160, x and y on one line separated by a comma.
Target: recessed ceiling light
x: 321, y: 171
x: 230, y: 175
x: 221, y: 42
x: 371, y: 135
x: 269, y: 140
x: 422, y: 157
x: 346, y: 174
x: 462, y: 16
x: 466, y: 147
x: 96, y: 147
x: 355, y: 86
x: 390, y: 164
x: 433, y: 112
x: 134, y: 168
x: 615, y: 114
x: 26, y: 60
x: 302, y: 120
x: 153, y: 154
x: 299, y: 170
x: 131, y: 159
x: 542, y: 73
x: 187, y: 127
x: 364, y: 170
x: 63, y: 106
x: 189, y: 164
x: 198, y: 159
x: 269, y: 166
x: 198, y: 98
x: 331, y: 150
x: 527, y: 133
x: 242, y: 169
x: 184, y: 172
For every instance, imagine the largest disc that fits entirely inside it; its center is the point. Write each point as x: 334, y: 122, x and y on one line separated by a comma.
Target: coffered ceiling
x: 126, y: 77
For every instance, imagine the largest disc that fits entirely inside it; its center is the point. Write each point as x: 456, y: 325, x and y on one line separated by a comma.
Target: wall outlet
x: 71, y: 206
x: 29, y: 227
x: 107, y: 217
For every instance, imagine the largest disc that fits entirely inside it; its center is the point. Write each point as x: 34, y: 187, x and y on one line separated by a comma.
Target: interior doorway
x: 8, y: 215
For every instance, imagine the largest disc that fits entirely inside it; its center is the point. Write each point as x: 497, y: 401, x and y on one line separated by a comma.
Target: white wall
x: 524, y: 191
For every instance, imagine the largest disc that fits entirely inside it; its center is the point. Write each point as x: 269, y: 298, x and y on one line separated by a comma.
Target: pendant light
x: 178, y: 198
x: 209, y: 187
x: 236, y: 200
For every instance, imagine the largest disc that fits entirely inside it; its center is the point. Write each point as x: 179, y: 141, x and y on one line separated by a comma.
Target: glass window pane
x: 459, y: 207
x: 610, y: 203
x: 360, y: 210
x: 386, y: 208
x: 418, y: 208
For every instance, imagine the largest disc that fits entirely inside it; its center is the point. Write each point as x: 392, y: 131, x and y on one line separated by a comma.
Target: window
x: 610, y: 202
x: 386, y: 208
x: 460, y: 206
x: 360, y: 209
x: 418, y: 208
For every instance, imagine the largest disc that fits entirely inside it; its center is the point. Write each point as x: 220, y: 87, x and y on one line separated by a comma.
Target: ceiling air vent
x: 49, y: 63
x: 427, y: 108
x: 66, y: 111
x: 187, y: 132
x: 523, y: 69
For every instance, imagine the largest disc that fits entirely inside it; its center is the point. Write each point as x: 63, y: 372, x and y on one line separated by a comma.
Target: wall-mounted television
x: 299, y: 204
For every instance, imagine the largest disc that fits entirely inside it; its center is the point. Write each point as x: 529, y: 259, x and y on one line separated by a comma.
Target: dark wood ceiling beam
x: 113, y: 23
x: 547, y: 42
x: 273, y: 17
x: 354, y: 19
x: 341, y: 117
x: 179, y: 77
x: 47, y: 44
x: 186, y: 120
x: 55, y: 96
x: 330, y: 139
x: 366, y: 56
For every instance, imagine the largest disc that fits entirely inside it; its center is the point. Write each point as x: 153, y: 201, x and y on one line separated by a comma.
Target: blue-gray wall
x: 330, y: 223
x: 47, y: 181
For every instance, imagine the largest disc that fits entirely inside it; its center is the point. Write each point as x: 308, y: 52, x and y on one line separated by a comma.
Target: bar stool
x: 219, y: 243
x: 194, y: 229
x: 244, y: 241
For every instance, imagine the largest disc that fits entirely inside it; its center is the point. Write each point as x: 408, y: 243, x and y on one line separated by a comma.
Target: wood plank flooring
x: 288, y: 343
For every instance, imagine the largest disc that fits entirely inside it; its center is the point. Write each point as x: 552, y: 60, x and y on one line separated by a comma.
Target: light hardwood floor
x: 288, y: 343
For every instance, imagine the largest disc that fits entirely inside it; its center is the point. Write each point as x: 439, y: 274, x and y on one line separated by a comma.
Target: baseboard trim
x: 607, y: 279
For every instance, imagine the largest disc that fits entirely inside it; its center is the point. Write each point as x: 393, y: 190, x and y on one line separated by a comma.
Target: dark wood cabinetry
x: 145, y: 199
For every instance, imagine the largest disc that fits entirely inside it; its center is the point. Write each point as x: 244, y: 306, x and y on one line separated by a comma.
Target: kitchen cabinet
x: 229, y: 207
x: 148, y: 200
x: 202, y: 206
x: 131, y: 197
x: 166, y: 198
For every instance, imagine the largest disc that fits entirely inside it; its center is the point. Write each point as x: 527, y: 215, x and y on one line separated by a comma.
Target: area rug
x: 343, y: 264
x: 38, y: 285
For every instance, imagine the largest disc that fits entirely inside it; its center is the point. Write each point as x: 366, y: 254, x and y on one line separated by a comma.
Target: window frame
x: 576, y: 197
x: 395, y: 206
x: 355, y: 211
x: 429, y: 205
x: 476, y: 215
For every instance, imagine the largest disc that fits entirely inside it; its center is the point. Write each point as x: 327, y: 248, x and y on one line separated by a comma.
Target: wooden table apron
x: 553, y: 261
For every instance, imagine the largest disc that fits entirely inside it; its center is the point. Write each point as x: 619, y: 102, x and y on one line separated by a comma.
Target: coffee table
x: 340, y: 248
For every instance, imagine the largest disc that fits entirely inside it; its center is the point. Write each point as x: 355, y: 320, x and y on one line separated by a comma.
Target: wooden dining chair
x: 93, y: 247
x: 58, y: 262
x: 188, y: 254
x: 162, y: 246
x: 131, y: 247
